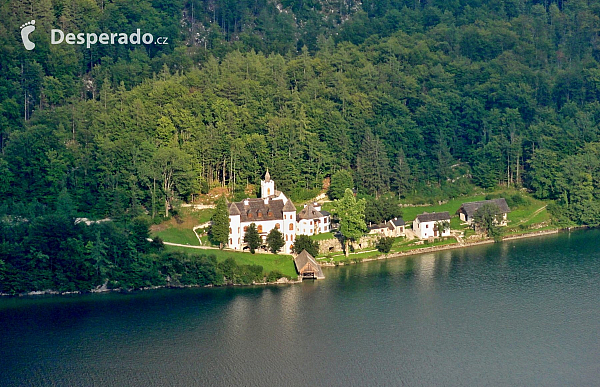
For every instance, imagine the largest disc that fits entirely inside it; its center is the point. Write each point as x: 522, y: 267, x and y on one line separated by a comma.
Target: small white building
x: 427, y: 225
x: 391, y: 228
x: 312, y: 220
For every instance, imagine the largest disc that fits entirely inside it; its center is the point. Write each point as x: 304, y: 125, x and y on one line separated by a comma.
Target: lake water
x: 524, y: 312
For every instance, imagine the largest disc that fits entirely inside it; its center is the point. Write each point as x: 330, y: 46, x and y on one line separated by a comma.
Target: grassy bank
x: 269, y: 262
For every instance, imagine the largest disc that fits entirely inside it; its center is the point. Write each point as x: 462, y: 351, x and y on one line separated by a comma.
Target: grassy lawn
x: 410, y: 213
x: 523, y: 214
x: 323, y: 236
x: 181, y: 236
x: 269, y: 262
x: 203, y: 216
x: 542, y: 216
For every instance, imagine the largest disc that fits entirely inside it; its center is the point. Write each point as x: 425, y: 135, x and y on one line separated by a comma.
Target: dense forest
x: 417, y: 98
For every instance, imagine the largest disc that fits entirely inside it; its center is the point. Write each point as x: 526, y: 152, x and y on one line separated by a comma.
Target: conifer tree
x: 219, y: 229
x: 401, y: 177
x: 275, y: 240
x: 252, y: 238
x: 340, y: 180
x: 372, y: 165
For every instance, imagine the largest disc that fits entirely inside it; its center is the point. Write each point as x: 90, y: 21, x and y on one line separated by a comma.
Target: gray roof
x: 434, y: 217
x: 289, y: 207
x: 257, y: 210
x: 303, y: 258
x: 377, y: 226
x: 397, y: 222
x: 325, y: 213
x: 471, y: 207
x: 309, y: 212
x: 234, y: 210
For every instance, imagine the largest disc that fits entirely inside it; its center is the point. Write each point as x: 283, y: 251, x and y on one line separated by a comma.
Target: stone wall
x: 335, y: 245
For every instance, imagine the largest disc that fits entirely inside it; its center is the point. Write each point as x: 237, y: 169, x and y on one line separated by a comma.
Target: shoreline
x: 422, y: 250
x: 101, y: 290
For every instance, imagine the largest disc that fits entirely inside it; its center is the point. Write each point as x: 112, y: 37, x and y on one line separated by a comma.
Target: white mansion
x: 274, y: 210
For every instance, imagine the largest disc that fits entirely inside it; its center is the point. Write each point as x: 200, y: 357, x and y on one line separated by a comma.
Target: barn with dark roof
x: 467, y: 210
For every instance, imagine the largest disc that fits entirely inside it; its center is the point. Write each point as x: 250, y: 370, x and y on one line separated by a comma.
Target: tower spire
x: 267, y: 175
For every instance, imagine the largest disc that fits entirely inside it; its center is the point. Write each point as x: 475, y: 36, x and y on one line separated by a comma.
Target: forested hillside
x: 411, y: 96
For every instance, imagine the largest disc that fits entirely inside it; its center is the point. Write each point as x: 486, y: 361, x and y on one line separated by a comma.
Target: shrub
x: 384, y: 245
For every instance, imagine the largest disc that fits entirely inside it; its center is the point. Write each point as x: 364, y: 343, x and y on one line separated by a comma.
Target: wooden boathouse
x: 307, y: 267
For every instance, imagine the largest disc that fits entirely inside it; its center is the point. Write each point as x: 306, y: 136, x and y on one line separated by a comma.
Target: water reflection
x: 518, y: 313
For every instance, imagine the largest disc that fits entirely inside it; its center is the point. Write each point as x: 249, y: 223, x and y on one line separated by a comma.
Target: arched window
x: 268, y: 191
x: 259, y: 228
x: 291, y: 226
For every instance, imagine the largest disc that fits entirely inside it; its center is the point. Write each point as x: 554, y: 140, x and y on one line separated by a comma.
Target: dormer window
x: 270, y: 213
x: 260, y: 214
x: 249, y: 215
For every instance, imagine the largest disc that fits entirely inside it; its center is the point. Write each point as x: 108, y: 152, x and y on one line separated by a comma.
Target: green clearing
x: 410, y: 213
x: 202, y: 216
x: 269, y: 262
x: 181, y: 236
x: 324, y: 236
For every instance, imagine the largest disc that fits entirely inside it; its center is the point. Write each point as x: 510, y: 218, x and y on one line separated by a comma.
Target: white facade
x: 274, y: 210
x: 425, y: 226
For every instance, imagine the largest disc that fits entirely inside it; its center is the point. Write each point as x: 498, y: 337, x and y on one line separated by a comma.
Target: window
x: 260, y: 214
x: 268, y: 191
x: 230, y: 240
x: 286, y: 237
x: 259, y: 228
x: 230, y: 230
x: 249, y: 215
x: 426, y: 226
x: 291, y: 226
x: 277, y: 226
x: 270, y: 213
x: 245, y: 228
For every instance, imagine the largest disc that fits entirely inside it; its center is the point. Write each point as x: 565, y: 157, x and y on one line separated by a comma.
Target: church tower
x: 267, y: 186
x: 289, y: 226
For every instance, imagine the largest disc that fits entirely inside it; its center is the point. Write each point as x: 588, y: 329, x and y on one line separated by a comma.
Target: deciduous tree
x: 305, y: 242
x: 275, y: 240
x: 351, y: 214
x: 252, y: 238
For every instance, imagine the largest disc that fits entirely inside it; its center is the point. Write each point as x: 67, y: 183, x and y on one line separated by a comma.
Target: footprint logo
x: 27, y: 29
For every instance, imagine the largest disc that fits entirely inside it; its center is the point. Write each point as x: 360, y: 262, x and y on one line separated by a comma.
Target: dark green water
x: 520, y: 313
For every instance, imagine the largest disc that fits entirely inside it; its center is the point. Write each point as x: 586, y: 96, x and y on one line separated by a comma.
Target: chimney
x: 246, y: 202
x: 266, y: 200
